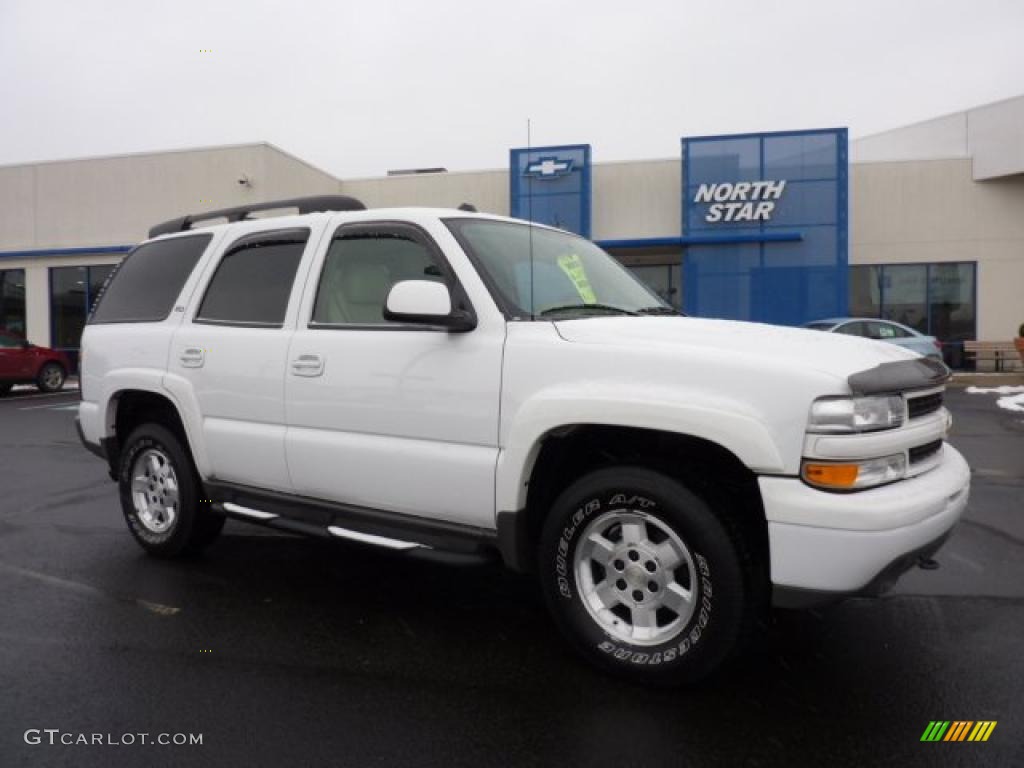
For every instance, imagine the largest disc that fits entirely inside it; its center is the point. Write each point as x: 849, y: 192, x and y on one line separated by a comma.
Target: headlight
x: 856, y: 414
x: 854, y: 475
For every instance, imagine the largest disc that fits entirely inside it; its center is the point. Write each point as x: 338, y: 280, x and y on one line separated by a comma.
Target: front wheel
x: 642, y: 577
x: 160, y: 495
x: 51, y: 377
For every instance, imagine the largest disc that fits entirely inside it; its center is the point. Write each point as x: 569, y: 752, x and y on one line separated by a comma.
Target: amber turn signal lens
x: 831, y: 475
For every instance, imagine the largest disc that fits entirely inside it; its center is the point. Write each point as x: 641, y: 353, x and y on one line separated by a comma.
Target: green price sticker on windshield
x: 572, y: 265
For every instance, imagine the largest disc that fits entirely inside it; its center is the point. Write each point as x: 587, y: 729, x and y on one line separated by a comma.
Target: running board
x: 255, y: 514
x: 433, y: 540
x: 379, y: 541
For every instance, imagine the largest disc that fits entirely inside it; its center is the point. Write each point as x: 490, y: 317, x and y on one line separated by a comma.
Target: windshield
x: 567, y: 276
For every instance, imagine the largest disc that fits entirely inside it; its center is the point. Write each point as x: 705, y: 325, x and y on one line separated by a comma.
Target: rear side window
x: 254, y: 280
x: 147, y: 282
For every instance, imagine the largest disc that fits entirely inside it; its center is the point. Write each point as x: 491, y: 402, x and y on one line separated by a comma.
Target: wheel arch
x: 128, y: 408
x: 708, y: 469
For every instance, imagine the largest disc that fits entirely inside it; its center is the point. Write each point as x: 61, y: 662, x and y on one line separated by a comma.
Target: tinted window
x: 852, y: 329
x: 12, y: 300
x: 9, y: 342
x: 254, y: 280
x: 889, y: 331
x: 819, y: 326
x: 146, y: 284
x: 360, y: 269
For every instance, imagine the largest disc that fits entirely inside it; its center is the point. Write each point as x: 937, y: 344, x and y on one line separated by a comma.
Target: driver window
x: 359, y: 271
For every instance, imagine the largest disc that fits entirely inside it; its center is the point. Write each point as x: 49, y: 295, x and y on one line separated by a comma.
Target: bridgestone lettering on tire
x: 642, y: 576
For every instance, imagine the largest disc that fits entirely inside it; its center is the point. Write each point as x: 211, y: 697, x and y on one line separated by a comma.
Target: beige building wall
x: 634, y: 199
x: 115, y: 200
x: 933, y: 210
x: 637, y: 199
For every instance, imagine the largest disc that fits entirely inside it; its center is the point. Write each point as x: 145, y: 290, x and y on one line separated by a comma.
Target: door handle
x: 193, y: 357
x: 308, y: 365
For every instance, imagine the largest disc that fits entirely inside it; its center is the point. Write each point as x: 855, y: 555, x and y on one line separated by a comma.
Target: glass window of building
x: 663, y: 279
x: 938, y: 299
x: 906, y: 295
x: 72, y: 293
x: 12, y: 301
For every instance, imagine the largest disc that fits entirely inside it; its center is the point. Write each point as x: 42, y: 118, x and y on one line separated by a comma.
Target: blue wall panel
x: 551, y: 185
x: 774, y: 282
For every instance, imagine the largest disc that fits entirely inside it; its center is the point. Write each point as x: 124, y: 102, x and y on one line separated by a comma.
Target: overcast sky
x: 360, y: 87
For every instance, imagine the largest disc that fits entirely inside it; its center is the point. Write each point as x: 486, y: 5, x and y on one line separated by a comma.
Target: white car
x: 451, y: 384
x: 881, y: 330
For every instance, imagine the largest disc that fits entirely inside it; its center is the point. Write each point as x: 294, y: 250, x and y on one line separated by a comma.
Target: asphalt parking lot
x: 287, y: 651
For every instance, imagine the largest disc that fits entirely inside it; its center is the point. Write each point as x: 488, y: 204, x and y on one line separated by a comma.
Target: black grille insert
x: 922, y: 452
x: 922, y: 406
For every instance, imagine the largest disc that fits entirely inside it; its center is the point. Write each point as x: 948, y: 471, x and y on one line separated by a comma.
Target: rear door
x: 232, y: 351
x: 383, y: 415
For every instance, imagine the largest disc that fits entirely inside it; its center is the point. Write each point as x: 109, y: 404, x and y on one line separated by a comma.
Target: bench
x: 997, y: 351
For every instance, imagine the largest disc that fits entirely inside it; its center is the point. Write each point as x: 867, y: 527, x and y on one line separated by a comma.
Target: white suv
x: 457, y: 385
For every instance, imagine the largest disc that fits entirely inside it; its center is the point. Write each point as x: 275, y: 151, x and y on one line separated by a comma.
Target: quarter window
x: 254, y: 280
x: 147, y: 283
x: 359, y: 270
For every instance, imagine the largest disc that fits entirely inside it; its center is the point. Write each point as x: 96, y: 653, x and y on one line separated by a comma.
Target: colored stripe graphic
x: 958, y: 730
x: 935, y: 730
x: 982, y: 730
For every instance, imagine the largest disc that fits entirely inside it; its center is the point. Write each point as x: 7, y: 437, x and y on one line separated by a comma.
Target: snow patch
x: 1002, y: 390
x: 1012, y: 397
x: 1014, y: 403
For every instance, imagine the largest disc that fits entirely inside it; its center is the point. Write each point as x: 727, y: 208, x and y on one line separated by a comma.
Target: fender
x: 729, y: 423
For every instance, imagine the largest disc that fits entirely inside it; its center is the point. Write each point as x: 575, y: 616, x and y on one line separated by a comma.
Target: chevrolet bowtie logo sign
x: 549, y: 168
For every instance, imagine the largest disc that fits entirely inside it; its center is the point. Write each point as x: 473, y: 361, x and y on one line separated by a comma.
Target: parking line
x: 86, y: 589
x: 58, y: 407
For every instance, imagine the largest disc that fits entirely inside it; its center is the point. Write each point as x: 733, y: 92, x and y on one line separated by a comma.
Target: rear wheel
x: 642, y: 577
x: 160, y: 495
x: 51, y: 377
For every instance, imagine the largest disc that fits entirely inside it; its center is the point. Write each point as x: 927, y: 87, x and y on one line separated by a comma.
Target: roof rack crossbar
x: 241, y: 212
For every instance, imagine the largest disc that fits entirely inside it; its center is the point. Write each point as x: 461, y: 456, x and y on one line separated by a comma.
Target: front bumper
x: 826, y: 545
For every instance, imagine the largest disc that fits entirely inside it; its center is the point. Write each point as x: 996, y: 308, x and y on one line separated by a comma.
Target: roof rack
x: 241, y: 212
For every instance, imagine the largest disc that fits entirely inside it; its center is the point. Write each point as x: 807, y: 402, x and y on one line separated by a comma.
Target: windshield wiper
x: 658, y: 311
x: 576, y: 307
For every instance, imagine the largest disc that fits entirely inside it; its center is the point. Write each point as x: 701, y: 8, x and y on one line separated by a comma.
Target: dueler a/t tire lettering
x: 642, y: 577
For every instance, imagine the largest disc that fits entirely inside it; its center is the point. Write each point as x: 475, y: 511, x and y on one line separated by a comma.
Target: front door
x: 387, y: 416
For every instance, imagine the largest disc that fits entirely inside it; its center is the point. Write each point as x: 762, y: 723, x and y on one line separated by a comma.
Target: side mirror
x: 25, y: 344
x: 425, y: 302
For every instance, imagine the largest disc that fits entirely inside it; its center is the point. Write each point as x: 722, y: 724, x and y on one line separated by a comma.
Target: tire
x: 160, y: 495
x: 5, y: 389
x: 684, y: 603
x: 51, y: 378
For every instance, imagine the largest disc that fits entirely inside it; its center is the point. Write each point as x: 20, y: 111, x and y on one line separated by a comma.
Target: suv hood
x: 830, y: 353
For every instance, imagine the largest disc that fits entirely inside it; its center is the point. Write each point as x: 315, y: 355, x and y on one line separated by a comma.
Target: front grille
x: 922, y: 452
x: 922, y: 406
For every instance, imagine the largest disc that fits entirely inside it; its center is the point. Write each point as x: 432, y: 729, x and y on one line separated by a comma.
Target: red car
x: 24, y: 363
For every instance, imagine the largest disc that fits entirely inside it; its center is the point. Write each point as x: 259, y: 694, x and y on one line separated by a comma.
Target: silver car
x: 882, y: 330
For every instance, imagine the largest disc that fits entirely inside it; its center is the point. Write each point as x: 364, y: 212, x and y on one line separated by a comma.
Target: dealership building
x: 923, y: 224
